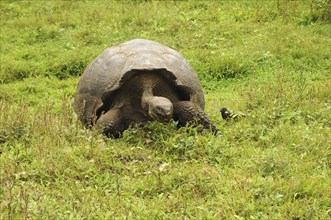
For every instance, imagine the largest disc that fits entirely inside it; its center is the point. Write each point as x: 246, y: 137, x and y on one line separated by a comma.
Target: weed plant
x: 266, y: 60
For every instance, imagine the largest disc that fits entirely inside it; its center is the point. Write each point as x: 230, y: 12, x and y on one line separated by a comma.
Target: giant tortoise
x: 139, y: 81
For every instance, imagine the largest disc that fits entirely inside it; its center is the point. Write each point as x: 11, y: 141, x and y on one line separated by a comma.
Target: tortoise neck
x: 147, y: 88
x: 149, y: 82
x: 146, y: 97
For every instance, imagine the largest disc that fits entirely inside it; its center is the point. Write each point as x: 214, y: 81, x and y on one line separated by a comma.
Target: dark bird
x: 227, y: 115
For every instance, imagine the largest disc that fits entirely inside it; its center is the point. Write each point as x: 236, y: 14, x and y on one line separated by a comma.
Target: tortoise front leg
x: 112, y: 123
x: 187, y: 113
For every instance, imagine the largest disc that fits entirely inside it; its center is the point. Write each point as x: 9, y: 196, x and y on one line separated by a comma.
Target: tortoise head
x: 160, y: 109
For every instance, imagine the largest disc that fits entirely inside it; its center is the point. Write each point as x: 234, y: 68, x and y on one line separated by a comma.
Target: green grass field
x: 269, y: 60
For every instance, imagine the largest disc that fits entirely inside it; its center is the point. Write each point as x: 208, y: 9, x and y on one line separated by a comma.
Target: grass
x: 267, y: 59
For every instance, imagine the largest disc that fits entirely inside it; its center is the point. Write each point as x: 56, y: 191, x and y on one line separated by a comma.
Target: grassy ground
x: 268, y: 59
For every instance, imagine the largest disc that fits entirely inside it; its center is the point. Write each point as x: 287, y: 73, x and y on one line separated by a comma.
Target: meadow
x: 268, y: 61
